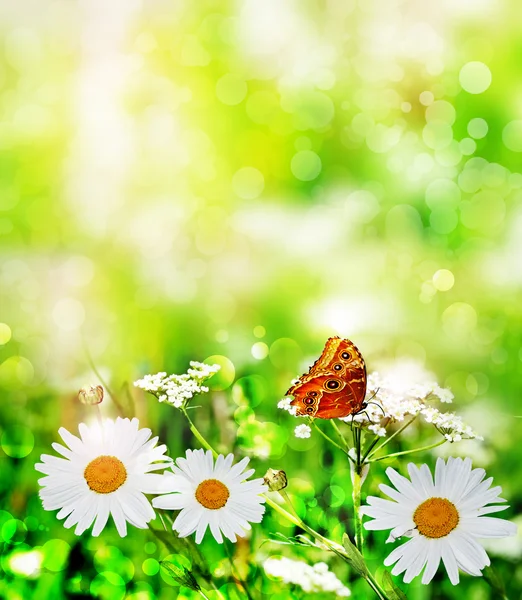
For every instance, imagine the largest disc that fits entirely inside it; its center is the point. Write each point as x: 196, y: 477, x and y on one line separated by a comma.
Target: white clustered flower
x: 284, y: 404
x: 316, y: 578
x: 389, y: 399
x: 178, y: 389
x: 302, y: 431
x: 445, y: 516
x: 449, y: 424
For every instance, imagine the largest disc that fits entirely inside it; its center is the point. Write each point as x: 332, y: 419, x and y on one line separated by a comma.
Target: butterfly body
x: 335, y: 385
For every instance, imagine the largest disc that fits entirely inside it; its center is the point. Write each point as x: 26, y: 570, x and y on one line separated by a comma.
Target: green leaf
x: 182, y: 575
x: 354, y: 557
x: 390, y: 587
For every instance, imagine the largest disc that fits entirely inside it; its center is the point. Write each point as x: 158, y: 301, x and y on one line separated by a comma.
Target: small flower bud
x: 91, y: 394
x: 275, y: 480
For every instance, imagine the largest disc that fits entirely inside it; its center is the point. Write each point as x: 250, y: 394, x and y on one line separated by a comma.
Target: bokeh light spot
x: 259, y: 331
x: 68, y: 314
x: 426, y: 98
x: 248, y: 183
x: 441, y: 110
x: 150, y: 566
x: 442, y: 194
x: 5, y: 333
x: 443, y: 280
x: 512, y: 136
x: 14, y: 531
x: 437, y: 135
x: 485, y: 210
x: 250, y: 390
x: 150, y: 547
x: 108, y: 586
x: 56, y: 553
x: 306, y: 165
x: 459, y: 319
x: 259, y: 350
x: 17, y: 441
x: 16, y: 370
x: 224, y: 378
x: 231, y: 89
x: 477, y: 128
x: 262, y: 107
x: 444, y: 221
x: 475, y: 77
x: 467, y: 146
x: 285, y: 353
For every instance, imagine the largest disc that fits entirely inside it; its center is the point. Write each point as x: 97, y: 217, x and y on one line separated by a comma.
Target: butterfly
x: 335, y: 385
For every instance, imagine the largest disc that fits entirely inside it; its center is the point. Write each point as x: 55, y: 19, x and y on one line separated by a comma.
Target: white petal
x: 440, y: 478
x: 403, y: 485
x: 102, y: 517
x: 432, y: 564
x: 170, y: 501
x: 409, y: 553
x: 397, y: 496
x: 450, y: 562
x: 74, y: 443
x: 202, y: 527
x: 419, y: 561
x: 214, y: 528
x: 384, y: 523
x: 488, y: 527
x: 118, y: 516
x: 485, y: 510
x: 238, y: 468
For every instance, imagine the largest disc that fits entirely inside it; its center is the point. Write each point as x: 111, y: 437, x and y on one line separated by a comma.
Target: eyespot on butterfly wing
x: 335, y: 385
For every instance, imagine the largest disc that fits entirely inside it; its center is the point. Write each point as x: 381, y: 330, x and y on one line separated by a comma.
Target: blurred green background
x: 184, y: 180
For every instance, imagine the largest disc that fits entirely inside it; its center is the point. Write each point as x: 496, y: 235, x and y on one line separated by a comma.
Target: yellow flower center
x: 105, y: 474
x: 212, y: 494
x: 436, y: 517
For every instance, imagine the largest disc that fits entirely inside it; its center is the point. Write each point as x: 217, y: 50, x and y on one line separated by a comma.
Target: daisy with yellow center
x: 106, y: 472
x: 443, y: 517
x: 212, y: 495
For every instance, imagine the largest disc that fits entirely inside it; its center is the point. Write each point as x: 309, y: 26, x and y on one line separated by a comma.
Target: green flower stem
x: 356, y: 497
x: 202, y: 594
x: 389, y: 439
x: 326, y: 437
x: 331, y: 545
x: 356, y: 490
x: 443, y: 441
x: 338, y: 431
x: 196, y: 433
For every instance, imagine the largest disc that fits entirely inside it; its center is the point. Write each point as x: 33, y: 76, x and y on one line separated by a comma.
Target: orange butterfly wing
x: 335, y: 385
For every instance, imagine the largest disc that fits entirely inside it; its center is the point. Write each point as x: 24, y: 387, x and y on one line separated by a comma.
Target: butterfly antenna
x: 378, y: 406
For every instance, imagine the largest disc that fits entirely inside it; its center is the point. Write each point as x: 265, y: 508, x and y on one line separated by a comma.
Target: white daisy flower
x: 444, y: 519
x: 107, y: 471
x: 215, y: 496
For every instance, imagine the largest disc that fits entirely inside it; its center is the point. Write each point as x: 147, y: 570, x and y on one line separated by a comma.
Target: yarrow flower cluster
x: 302, y: 431
x: 316, y: 578
x: 177, y: 390
x: 387, y: 400
x: 284, y: 404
